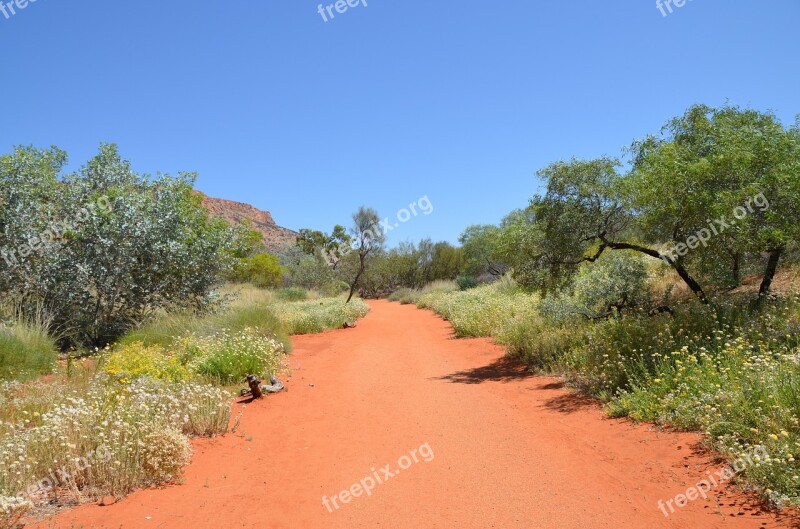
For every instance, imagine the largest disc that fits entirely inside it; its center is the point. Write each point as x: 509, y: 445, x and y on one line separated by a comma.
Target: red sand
x: 510, y: 450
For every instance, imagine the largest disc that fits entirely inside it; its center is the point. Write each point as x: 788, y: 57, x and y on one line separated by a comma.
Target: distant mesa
x: 275, y: 237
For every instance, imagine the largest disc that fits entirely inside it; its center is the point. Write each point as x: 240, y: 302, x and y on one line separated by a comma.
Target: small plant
x: 292, y: 294
x: 466, y: 282
x: 137, y: 360
x: 228, y: 358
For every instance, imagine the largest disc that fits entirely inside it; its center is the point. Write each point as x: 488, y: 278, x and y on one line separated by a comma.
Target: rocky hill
x: 275, y: 237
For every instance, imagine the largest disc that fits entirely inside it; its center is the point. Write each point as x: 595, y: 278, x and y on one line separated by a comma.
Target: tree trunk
x: 354, y: 284
x: 769, y: 273
x: 691, y: 282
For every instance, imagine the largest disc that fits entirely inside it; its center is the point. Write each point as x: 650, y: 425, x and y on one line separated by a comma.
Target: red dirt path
x: 510, y: 450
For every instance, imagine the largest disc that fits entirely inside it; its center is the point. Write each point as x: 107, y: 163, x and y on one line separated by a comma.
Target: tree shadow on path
x: 503, y: 370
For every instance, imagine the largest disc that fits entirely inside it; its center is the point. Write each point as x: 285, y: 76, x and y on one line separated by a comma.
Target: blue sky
x: 388, y: 102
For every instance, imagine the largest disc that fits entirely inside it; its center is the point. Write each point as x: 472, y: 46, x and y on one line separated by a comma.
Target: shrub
x: 616, y: 282
x: 165, y: 453
x: 249, y: 313
x: 482, y: 311
x: 262, y: 270
x: 136, y: 360
x: 466, y: 282
x: 405, y: 296
x: 135, y: 244
x: 108, y: 440
x: 292, y: 294
x: 228, y: 358
x: 334, y: 288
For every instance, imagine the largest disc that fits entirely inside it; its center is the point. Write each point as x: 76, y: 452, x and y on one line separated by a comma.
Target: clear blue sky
x: 459, y: 101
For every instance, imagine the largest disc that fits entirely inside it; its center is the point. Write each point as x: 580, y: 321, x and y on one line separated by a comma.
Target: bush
x: 136, y: 360
x: 113, y: 245
x: 165, y: 453
x: 257, y: 315
x: 228, y: 358
x: 482, y: 311
x: 405, y: 296
x: 616, y: 282
x: 292, y: 294
x: 466, y: 282
x: 334, y: 288
x: 262, y: 270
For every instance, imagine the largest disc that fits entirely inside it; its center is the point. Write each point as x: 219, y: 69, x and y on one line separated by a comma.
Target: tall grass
x: 247, y: 307
x: 26, y: 351
x: 313, y: 316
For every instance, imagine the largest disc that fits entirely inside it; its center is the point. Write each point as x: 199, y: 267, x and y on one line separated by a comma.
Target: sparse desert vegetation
x: 258, y: 264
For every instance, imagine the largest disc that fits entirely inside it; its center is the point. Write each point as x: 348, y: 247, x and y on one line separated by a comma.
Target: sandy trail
x: 509, y: 450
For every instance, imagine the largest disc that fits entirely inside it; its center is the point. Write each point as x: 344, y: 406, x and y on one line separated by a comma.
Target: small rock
x: 312, y: 385
x: 108, y: 500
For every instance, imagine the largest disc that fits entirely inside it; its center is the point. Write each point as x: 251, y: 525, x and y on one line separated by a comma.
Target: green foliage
x: 136, y: 360
x: 26, y: 351
x: 313, y: 316
x: 613, y: 284
x: 292, y: 294
x: 708, y: 163
x: 306, y: 271
x: 262, y: 270
x: 227, y: 358
x: 481, y: 311
x: 106, y: 248
x: 312, y: 242
x: 334, y: 289
x: 466, y: 282
x: 480, y: 251
x: 164, y: 329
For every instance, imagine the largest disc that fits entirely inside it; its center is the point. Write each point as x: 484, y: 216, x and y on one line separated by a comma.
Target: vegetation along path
x: 470, y: 440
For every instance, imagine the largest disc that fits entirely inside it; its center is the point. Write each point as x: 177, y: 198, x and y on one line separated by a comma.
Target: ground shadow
x: 503, y: 370
x: 571, y: 403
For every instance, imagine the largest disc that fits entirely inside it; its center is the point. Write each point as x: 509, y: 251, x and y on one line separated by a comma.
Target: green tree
x: 741, y: 166
x: 583, y: 214
x: 447, y: 261
x: 479, y: 244
x: 368, y: 242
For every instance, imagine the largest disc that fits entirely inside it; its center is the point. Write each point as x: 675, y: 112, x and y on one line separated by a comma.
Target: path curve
x: 507, y: 450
